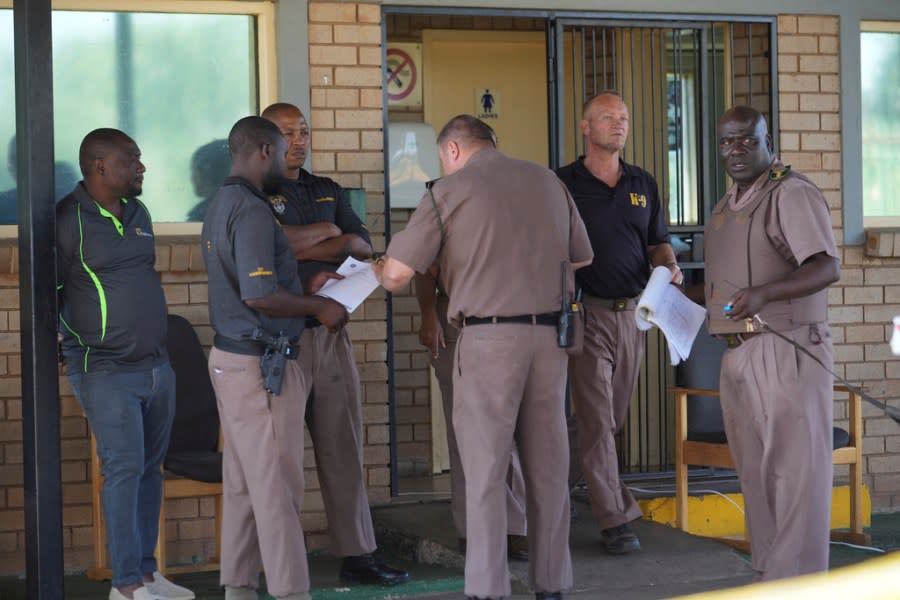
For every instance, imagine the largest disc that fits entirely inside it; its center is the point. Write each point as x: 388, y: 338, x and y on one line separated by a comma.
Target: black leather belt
x: 543, y: 319
x: 312, y: 322
x: 248, y: 347
x: 736, y: 339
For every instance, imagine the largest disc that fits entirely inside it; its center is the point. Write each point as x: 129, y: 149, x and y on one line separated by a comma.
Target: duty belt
x: 613, y: 304
x: 247, y: 347
x: 733, y: 340
x: 542, y: 319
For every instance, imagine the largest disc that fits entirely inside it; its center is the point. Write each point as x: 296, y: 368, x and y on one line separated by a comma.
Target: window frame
x: 263, y: 11
x: 873, y: 222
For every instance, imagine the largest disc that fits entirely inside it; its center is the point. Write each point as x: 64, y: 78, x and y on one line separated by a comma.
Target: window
x: 880, y: 74
x: 174, y: 80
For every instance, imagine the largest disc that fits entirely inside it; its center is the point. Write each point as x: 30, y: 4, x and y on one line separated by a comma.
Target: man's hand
x: 332, y: 315
x: 746, y: 303
x: 315, y: 283
x: 677, y: 275
x: 431, y: 335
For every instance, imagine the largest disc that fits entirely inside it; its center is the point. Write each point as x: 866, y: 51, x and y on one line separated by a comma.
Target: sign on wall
x: 487, y: 103
x: 402, y: 78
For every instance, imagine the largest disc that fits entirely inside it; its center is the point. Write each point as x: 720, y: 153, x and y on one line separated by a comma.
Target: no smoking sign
x: 402, y: 77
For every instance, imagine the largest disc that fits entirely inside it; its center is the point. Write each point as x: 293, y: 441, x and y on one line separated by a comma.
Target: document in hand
x: 358, y: 282
x: 677, y: 317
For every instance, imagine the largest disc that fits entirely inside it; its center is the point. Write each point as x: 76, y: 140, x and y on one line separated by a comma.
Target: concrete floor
x: 415, y: 531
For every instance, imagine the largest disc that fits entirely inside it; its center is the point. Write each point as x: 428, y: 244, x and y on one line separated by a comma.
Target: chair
x: 193, y: 463
x: 715, y: 453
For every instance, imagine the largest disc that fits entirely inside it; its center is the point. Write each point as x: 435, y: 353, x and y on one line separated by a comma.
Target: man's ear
x: 99, y: 166
x: 265, y: 150
x: 769, y: 143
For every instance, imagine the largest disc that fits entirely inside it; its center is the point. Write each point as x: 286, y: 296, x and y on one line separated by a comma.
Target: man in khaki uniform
x: 323, y: 231
x: 439, y: 336
x: 509, y: 373
x: 770, y: 251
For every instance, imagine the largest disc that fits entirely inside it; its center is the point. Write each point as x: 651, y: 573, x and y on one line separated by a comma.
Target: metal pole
x: 37, y: 293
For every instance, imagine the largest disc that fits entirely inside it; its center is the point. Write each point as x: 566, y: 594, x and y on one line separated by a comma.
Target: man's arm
x: 816, y: 273
x: 431, y: 334
x: 662, y: 255
x: 282, y: 303
x: 302, y: 238
x: 337, y: 249
x: 392, y: 274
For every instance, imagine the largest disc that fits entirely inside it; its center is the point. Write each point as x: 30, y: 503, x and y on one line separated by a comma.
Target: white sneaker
x: 240, y: 593
x: 141, y: 593
x: 164, y: 589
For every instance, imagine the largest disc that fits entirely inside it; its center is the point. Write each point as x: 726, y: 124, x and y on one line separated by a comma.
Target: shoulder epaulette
x: 779, y: 173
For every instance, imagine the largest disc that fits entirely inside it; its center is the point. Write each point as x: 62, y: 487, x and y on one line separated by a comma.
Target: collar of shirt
x: 737, y: 204
x: 88, y: 203
x: 238, y: 180
x: 628, y: 170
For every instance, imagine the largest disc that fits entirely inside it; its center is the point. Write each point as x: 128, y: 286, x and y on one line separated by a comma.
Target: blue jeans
x: 131, y: 415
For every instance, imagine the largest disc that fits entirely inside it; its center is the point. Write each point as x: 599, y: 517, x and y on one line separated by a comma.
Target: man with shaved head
x: 256, y: 298
x: 113, y: 320
x: 770, y: 255
x: 323, y: 231
x: 626, y: 221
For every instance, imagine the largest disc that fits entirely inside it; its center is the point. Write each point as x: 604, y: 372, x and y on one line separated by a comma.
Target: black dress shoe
x: 548, y: 596
x: 371, y: 570
x: 517, y: 547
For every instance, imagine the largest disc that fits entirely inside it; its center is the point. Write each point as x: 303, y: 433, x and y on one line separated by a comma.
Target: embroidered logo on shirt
x: 141, y: 233
x: 259, y: 272
x: 278, y: 203
x: 638, y: 199
x: 325, y: 199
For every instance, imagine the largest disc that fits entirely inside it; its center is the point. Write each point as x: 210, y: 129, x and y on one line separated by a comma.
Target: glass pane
x: 880, y: 70
x: 174, y: 82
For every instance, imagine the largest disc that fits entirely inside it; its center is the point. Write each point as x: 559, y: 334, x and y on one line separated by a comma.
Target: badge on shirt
x: 779, y: 173
x: 141, y: 233
x: 278, y: 203
x: 325, y: 199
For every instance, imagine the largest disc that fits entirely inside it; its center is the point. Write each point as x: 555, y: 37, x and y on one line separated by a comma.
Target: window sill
x: 883, y: 242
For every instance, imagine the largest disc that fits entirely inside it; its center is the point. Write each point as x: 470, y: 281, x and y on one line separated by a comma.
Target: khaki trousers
x: 334, y: 419
x: 778, y: 410
x: 509, y: 387
x: 262, y: 475
x: 515, y: 482
x: 602, y: 381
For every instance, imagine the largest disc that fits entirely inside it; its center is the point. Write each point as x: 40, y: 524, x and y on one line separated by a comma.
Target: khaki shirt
x: 783, y: 219
x: 508, y: 225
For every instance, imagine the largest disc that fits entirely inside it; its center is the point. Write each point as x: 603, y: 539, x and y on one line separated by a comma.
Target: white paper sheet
x: 359, y: 281
x: 666, y: 307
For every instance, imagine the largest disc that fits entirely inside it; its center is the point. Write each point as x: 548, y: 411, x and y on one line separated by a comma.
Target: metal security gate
x: 677, y: 76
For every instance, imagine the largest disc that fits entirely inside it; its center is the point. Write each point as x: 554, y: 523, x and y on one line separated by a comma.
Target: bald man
x: 113, y: 320
x: 323, y: 230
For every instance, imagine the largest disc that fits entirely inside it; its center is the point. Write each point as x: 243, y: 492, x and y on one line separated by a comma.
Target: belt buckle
x: 733, y: 340
x: 619, y: 304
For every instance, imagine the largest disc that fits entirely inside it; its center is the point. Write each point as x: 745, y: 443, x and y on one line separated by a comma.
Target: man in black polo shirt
x: 626, y: 224
x: 113, y: 322
x: 323, y: 230
x: 254, y: 287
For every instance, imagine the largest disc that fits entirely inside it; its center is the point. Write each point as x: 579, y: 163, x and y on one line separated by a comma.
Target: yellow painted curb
x: 713, y: 515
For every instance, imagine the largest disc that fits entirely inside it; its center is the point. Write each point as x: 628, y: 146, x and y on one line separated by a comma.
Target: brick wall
x: 863, y: 303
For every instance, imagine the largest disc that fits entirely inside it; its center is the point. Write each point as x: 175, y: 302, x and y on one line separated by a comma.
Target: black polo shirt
x: 112, y: 308
x: 311, y: 199
x: 621, y: 222
x: 247, y: 256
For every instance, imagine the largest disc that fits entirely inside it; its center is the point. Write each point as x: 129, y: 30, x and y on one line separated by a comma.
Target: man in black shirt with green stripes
x: 113, y: 320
